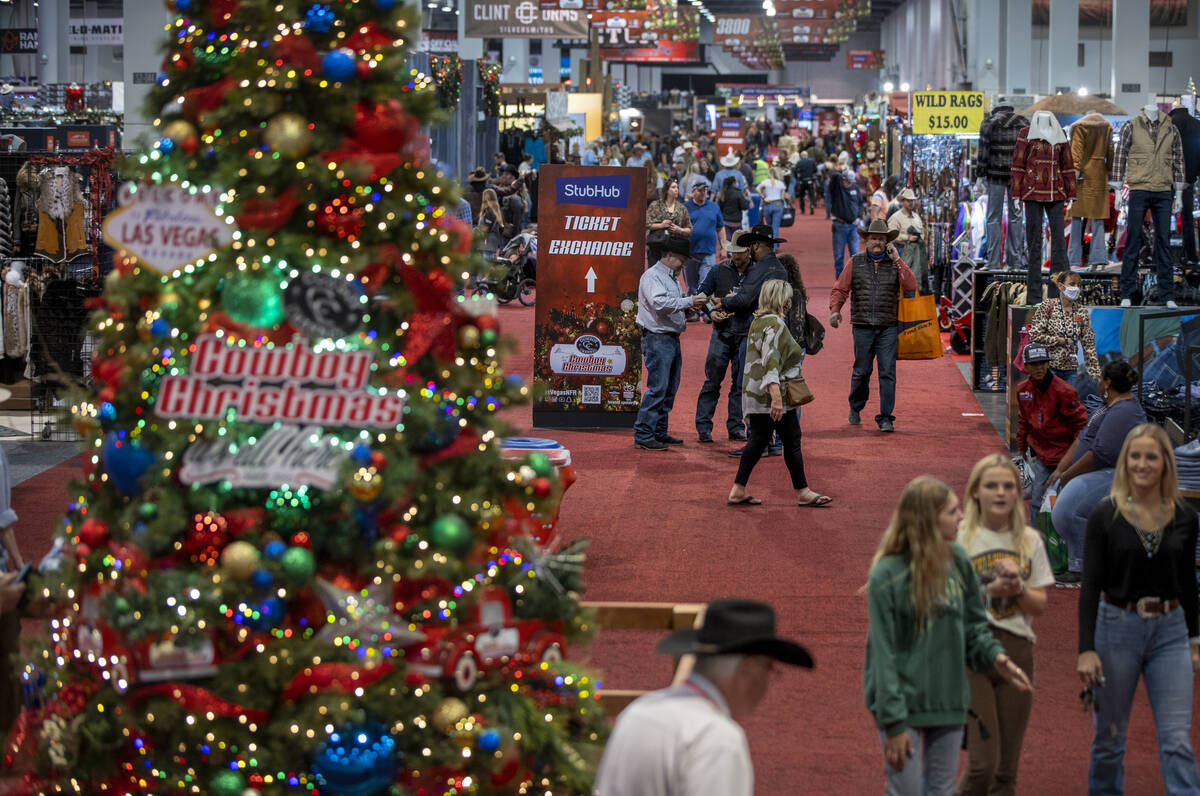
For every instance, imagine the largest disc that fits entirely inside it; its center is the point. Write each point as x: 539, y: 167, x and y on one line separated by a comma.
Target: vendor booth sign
x: 166, y: 227
x: 591, y: 252
x: 488, y: 19
x: 730, y: 134
x: 947, y: 112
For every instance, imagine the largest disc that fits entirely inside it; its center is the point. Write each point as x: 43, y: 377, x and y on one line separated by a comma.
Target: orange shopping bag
x: 919, y: 338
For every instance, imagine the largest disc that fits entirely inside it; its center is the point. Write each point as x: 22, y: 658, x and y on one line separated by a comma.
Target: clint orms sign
x: 591, y: 253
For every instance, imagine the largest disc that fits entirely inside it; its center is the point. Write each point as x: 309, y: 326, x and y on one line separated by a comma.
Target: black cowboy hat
x: 678, y: 244
x: 479, y: 175
x: 761, y: 232
x: 736, y: 627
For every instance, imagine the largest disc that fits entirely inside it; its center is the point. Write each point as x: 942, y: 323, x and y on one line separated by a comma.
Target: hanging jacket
x: 1041, y: 171
x: 998, y: 142
x: 1189, y: 133
x: 1092, y: 154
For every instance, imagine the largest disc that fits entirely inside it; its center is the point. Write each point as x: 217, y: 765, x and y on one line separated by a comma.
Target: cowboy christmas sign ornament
x: 166, y: 227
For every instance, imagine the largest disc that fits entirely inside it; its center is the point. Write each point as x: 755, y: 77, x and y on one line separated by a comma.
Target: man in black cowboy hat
x: 660, y: 316
x: 685, y: 740
x: 873, y: 283
x: 742, y: 303
x: 477, y: 182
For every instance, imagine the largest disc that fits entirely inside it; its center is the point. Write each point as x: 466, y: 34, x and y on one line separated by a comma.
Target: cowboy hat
x: 761, y: 232
x: 907, y: 193
x: 735, y: 626
x: 880, y: 227
x: 738, y: 243
x: 729, y: 160
x: 675, y: 244
x: 479, y: 175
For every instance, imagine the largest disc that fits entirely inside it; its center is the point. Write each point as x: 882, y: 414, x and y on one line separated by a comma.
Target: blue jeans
x: 874, y: 344
x: 1074, y: 506
x: 843, y: 235
x: 724, y: 351
x: 1041, y: 472
x: 664, y: 361
x: 696, y: 268
x: 1097, y: 254
x: 934, y: 764
x: 1131, y: 647
x: 772, y: 213
x: 1159, y: 205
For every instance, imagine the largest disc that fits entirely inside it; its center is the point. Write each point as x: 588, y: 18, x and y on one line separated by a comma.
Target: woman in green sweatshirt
x: 926, y: 619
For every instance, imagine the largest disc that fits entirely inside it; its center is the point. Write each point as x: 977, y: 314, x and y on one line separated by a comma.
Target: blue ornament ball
x: 275, y: 549
x: 262, y: 579
x: 362, y: 454
x: 514, y: 381
x: 385, y: 5
x: 319, y: 18
x: 125, y: 462
x: 488, y: 741
x: 356, y: 759
x: 183, y: 6
x: 270, y: 614
x: 339, y: 65
x: 165, y: 145
x: 160, y: 328
x: 107, y: 413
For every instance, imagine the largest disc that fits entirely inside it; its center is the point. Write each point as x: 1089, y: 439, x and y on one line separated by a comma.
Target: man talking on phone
x: 874, y: 283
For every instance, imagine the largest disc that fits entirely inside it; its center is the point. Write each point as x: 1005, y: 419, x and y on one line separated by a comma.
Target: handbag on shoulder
x: 796, y: 392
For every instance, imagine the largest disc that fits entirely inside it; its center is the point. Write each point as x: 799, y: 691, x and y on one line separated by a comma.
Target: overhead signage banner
x: 524, y: 19
x: 947, y: 112
x: 864, y: 59
x: 737, y: 29
x: 439, y: 42
x: 673, y: 52
x: 87, y: 32
x: 621, y: 29
x: 17, y: 41
x: 591, y: 254
x: 755, y: 89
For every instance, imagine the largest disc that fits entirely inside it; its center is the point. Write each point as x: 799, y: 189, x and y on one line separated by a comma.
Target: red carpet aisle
x: 662, y: 532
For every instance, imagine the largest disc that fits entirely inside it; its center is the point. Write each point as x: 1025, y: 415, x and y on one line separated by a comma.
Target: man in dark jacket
x: 873, y: 283
x: 805, y: 174
x: 997, y: 142
x: 844, y: 204
x: 724, y: 346
x: 743, y: 302
x: 1049, y: 418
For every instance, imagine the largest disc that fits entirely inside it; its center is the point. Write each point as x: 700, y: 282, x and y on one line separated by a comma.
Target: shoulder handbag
x: 796, y: 392
x: 814, y: 334
x: 789, y: 215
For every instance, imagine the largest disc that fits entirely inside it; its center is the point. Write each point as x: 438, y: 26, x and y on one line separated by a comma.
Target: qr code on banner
x: 591, y: 393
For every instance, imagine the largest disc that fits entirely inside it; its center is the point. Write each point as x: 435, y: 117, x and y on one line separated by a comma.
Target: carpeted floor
x: 662, y: 532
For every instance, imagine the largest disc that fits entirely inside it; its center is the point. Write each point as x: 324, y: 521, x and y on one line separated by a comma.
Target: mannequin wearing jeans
x: 1149, y: 160
x: 997, y: 139
x: 1092, y: 154
x: 1043, y: 176
x: 1086, y: 470
x: 1138, y: 613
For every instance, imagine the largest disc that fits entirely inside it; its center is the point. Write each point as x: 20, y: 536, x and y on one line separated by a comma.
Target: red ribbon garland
x: 340, y: 677
x: 199, y: 700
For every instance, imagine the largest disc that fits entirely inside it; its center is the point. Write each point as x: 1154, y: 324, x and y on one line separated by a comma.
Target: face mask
x: 1071, y: 293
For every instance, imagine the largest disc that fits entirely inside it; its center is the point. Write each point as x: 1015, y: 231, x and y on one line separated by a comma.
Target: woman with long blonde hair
x: 926, y: 620
x: 1010, y: 559
x: 491, y: 221
x: 1138, y: 613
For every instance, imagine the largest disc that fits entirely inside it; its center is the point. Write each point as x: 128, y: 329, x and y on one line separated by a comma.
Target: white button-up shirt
x: 680, y: 741
x: 660, y: 301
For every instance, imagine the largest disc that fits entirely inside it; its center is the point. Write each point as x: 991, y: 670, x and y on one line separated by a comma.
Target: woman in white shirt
x: 774, y: 193
x: 1014, y: 571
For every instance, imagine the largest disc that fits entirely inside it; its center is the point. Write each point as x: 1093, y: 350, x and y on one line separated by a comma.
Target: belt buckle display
x: 1148, y: 607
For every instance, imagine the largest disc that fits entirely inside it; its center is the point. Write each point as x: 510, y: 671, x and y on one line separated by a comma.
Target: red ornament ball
x: 487, y: 322
x: 302, y: 539
x: 378, y: 460
x: 206, y: 538
x: 364, y: 70
x: 398, y: 533
x: 602, y: 328
x: 541, y: 487
x: 82, y: 550
x: 93, y: 532
x: 339, y: 219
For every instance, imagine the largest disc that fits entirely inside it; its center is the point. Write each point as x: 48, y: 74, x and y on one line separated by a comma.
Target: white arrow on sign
x: 590, y: 276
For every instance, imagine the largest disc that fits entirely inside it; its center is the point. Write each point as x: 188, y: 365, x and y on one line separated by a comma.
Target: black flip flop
x: 748, y: 500
x: 820, y: 501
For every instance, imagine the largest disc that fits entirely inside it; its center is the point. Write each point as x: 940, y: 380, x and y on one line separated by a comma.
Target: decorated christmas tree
x: 299, y: 560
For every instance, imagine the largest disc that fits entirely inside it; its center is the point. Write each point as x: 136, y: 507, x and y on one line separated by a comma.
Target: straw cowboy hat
x: 729, y: 160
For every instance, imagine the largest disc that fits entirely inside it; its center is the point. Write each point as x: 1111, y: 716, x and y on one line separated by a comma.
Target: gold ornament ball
x: 179, y: 131
x: 450, y: 712
x: 468, y: 336
x: 288, y: 134
x: 365, y: 483
x: 240, y: 559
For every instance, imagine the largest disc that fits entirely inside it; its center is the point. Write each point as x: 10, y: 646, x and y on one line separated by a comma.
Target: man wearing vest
x: 1149, y: 159
x: 873, y: 283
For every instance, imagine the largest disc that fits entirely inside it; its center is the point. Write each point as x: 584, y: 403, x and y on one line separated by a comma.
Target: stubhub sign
x: 593, y: 191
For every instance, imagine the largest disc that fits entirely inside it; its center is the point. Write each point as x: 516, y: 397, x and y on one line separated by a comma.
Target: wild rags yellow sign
x: 947, y: 112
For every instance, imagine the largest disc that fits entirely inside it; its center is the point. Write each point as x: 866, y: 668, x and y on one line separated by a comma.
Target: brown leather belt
x: 1145, y: 607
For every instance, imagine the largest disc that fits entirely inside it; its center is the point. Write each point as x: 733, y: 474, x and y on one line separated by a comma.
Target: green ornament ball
x: 147, y: 511
x: 488, y: 336
x: 451, y: 533
x: 298, y: 564
x: 254, y: 299
x: 541, y: 465
x: 410, y: 544
x: 227, y: 783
